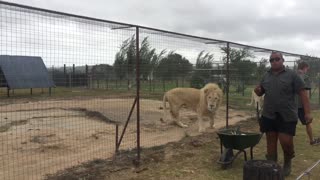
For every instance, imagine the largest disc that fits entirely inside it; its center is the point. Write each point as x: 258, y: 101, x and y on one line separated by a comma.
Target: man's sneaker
x: 315, y: 142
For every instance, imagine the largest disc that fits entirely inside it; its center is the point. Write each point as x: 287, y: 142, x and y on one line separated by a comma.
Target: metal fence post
x: 228, y: 83
x: 138, y: 92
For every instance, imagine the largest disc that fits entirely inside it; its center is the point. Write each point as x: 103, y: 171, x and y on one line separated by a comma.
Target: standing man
x: 303, y: 68
x: 279, y: 116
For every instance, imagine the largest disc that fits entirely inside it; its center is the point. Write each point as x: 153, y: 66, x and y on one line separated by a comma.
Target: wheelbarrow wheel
x: 226, y: 158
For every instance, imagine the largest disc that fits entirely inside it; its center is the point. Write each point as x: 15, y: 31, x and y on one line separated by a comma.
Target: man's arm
x: 306, y: 104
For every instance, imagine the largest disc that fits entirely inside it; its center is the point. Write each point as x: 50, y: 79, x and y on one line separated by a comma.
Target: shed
x: 24, y: 72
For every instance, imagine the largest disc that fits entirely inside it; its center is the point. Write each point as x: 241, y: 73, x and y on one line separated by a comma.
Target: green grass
x: 183, y: 161
x: 202, y: 165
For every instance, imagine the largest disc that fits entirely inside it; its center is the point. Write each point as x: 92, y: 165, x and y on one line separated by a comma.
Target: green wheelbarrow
x: 234, y: 139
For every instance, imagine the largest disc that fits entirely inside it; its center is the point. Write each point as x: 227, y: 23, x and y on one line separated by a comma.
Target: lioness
x: 256, y: 99
x: 204, y: 102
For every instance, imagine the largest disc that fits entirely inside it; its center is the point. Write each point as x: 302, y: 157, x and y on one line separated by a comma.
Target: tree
x: 314, y: 65
x: 241, y: 68
x: 130, y: 60
x: 125, y: 61
x: 261, y: 68
x: 237, y: 55
x: 102, y: 71
x: 173, y: 65
x: 121, y: 63
x: 155, y: 62
x: 119, y: 66
x: 202, y: 72
x: 146, y: 56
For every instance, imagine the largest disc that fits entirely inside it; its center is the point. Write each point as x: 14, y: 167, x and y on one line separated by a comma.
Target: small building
x: 24, y: 72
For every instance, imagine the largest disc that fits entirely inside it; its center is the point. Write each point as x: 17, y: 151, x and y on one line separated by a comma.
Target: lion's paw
x: 181, y: 124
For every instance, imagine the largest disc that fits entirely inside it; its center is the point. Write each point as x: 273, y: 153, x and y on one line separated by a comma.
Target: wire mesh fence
x: 42, y: 133
x: 108, y: 75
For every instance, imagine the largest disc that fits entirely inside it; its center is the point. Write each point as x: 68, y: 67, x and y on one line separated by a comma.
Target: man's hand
x: 306, y: 105
x: 308, y: 118
x: 259, y: 90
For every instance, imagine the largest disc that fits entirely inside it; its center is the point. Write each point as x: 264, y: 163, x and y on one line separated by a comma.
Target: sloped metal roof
x: 22, y: 72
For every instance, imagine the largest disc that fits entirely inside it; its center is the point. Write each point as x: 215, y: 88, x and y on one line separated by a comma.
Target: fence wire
x: 102, y: 80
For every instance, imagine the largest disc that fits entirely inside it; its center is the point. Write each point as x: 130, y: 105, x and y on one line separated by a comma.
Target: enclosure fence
x: 74, y: 89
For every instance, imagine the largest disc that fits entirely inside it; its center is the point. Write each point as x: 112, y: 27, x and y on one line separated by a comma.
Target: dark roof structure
x: 22, y: 72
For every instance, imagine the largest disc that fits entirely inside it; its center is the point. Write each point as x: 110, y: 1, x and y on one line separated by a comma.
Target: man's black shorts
x: 277, y: 125
x: 301, y: 116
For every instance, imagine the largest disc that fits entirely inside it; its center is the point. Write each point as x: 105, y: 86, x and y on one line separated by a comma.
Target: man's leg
x: 272, y: 142
x: 309, y: 132
x: 313, y: 141
x: 286, y: 142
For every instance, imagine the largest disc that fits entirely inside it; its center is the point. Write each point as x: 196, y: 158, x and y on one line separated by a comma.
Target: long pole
x: 228, y: 83
x: 138, y: 93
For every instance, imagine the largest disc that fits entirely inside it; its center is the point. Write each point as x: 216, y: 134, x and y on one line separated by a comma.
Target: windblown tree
x: 102, y: 71
x: 148, y: 59
x: 155, y: 61
x: 242, y: 69
x: 202, y: 72
x: 314, y: 65
x: 131, y: 58
x: 125, y: 62
x: 261, y: 68
x: 121, y: 64
x: 172, y: 66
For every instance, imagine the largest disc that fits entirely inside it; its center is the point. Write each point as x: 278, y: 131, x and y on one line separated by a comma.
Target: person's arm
x: 259, y: 90
x: 308, y: 93
x: 306, y: 104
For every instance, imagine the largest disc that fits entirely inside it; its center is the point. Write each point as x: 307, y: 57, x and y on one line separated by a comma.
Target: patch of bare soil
x: 43, y: 137
x: 193, y: 157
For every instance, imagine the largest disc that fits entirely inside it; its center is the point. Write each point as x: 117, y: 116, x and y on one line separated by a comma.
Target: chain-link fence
x: 75, y: 89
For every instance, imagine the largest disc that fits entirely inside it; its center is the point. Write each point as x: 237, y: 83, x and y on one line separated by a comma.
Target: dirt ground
x: 44, y: 137
x: 193, y: 157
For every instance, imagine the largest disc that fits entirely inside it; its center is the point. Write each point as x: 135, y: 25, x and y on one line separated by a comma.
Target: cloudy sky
x: 287, y: 25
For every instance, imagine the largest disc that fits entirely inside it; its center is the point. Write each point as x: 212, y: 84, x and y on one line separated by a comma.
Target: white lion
x: 204, y: 102
x: 255, y: 99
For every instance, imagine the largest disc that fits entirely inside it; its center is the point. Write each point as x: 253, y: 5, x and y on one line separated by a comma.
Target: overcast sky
x: 287, y: 25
